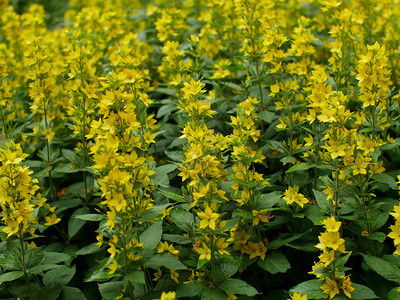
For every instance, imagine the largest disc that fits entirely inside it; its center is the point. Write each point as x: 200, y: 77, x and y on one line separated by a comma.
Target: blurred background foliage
x: 55, y: 9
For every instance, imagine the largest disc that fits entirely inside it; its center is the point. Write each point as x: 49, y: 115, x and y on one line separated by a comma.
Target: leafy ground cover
x: 199, y: 149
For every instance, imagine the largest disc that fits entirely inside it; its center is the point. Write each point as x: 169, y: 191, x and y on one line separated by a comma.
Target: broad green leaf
x: 301, y: 167
x: 394, y: 294
x: 268, y: 200
x: 267, y: 116
x: 213, y: 294
x: 161, y: 176
x: 72, y: 293
x: 362, y: 292
x: 284, y: 239
x: 177, y: 238
x: 274, y: 263
x: 61, y: 275
x: 314, y: 214
x: 311, y: 287
x: 99, y: 275
x: 10, y: 276
x: 242, y: 214
x: 91, y: 217
x: 191, y: 289
x: 67, y: 168
x: 111, y: 290
x: 55, y: 257
x: 322, y: 202
x: 227, y: 268
x: 287, y: 159
x: 69, y: 154
x: 166, y: 260
x: 152, y: 235
x: 48, y: 292
x: 42, y: 267
x: 377, y: 236
x: 182, y: 218
x: 384, y: 268
x: 387, y: 179
x: 175, y: 155
x: 89, y: 249
x: 75, y: 224
x: 236, y: 286
x: 136, y: 276
x: 172, y: 195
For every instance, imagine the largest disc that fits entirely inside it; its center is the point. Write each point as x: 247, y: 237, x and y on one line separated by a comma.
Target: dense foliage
x: 238, y: 149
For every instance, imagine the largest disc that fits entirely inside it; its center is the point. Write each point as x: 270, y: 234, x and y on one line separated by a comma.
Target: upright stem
x: 21, y: 242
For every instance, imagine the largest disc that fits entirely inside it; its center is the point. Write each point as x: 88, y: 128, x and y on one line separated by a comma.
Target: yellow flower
x: 168, y: 296
x: 298, y: 296
x: 256, y: 249
x: 330, y: 240
x: 395, y: 234
x: 347, y: 285
x: 52, y: 220
x: 222, y: 245
x: 113, y: 267
x: 208, y: 218
x: 331, y: 224
x: 204, y: 251
x: 260, y: 215
x: 174, y: 276
x: 291, y: 196
x: 157, y: 275
x: 330, y: 287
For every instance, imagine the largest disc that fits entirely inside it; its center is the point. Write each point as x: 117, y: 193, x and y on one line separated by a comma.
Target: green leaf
x: 227, y: 268
x: 72, y: 293
x: 69, y: 154
x: 267, y: 116
x: 213, y: 294
x: 311, y: 287
x: 152, y: 235
x: 387, y: 179
x: 268, y: 200
x: 301, y: 167
x: 10, y: 276
x: 362, y: 292
x: 377, y: 236
x: 242, y: 214
x: 48, y: 292
x: 61, y: 275
x: 166, y: 260
x: 177, y: 238
x: 161, y: 176
x: 89, y: 249
x: 42, y: 267
x: 91, y: 217
x: 111, y: 290
x: 175, y: 155
x: 236, y: 286
x: 55, y: 257
x: 382, y: 267
x: 192, y: 289
x: 136, y: 276
x: 394, y: 294
x: 284, y: 239
x: 75, y: 224
x: 172, y: 195
x: 274, y: 263
x: 322, y: 202
x: 314, y: 214
x: 182, y: 218
x: 67, y: 168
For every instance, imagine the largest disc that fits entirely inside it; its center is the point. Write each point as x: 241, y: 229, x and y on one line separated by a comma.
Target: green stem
x: 21, y: 242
